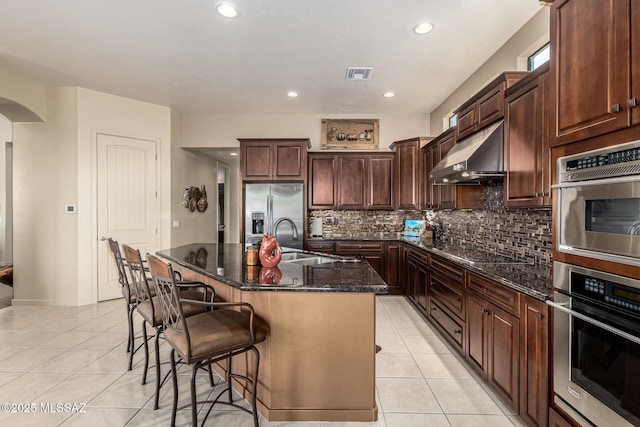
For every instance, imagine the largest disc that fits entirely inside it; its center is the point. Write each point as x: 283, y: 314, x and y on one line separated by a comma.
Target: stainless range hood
x: 474, y: 159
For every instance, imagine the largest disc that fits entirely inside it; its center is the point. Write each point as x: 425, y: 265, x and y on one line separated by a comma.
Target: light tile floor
x: 75, y: 355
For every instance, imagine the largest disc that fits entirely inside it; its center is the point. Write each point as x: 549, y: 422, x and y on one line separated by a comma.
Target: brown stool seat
x: 214, y: 333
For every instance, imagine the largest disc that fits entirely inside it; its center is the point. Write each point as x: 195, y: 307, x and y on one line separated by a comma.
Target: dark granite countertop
x: 535, y: 281
x: 226, y: 263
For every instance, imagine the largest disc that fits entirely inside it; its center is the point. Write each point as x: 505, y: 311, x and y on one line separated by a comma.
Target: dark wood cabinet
x: 593, y: 64
x: 273, y: 159
x: 322, y: 183
x: 327, y: 246
x: 486, y: 106
x: 372, y: 252
x: 410, y: 173
x: 380, y: 182
x: 446, y: 300
x: 351, y: 181
x: 418, y: 276
x: 534, y: 361
x: 494, y: 334
x: 447, y: 193
x: 493, y: 345
x: 365, y: 181
x: 527, y: 152
x: 634, y: 100
x: 557, y: 420
x: 503, y: 333
x: 393, y: 252
x: 428, y: 189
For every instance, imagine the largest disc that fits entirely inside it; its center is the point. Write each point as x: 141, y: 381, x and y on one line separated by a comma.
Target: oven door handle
x: 562, y: 307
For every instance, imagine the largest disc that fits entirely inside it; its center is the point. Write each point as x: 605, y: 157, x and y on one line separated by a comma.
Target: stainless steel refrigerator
x: 274, y: 209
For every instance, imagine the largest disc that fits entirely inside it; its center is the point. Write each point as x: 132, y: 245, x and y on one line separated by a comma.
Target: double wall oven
x: 597, y: 313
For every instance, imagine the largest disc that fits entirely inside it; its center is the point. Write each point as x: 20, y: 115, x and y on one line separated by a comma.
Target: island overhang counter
x: 318, y: 361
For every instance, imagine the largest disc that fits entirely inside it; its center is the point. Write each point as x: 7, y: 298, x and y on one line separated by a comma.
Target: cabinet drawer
x: 496, y: 293
x: 321, y: 246
x: 419, y: 255
x: 449, y: 294
x: 447, y: 270
x: 359, y: 246
x: 452, y: 328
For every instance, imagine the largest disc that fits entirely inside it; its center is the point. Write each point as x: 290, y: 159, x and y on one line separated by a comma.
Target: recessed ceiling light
x: 233, y: 153
x: 292, y: 94
x: 389, y: 94
x: 423, y: 28
x: 227, y: 10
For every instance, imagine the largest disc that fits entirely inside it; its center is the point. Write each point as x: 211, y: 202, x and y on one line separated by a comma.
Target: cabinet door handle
x: 539, y: 316
x: 632, y: 103
x: 616, y: 108
x: 484, y: 311
x: 458, y: 331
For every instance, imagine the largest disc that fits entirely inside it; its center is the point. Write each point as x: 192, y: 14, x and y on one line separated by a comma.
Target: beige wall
x: 510, y: 57
x: 200, y: 131
x: 191, y: 169
x: 6, y: 238
x: 45, y: 179
x: 55, y: 253
x: 30, y: 98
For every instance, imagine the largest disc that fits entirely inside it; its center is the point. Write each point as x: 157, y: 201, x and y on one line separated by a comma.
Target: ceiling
x: 182, y: 54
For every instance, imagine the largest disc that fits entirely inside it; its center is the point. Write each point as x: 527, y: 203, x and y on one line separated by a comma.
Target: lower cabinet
x: 493, y: 346
x: 452, y: 327
x: 417, y: 276
x: 446, y: 299
x: 503, y: 333
x: 557, y: 420
x: 534, y: 361
x: 372, y: 252
x: 393, y: 252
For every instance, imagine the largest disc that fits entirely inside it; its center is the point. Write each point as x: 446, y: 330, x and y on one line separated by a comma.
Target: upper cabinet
x: 486, y: 106
x: 410, y: 173
x: 351, y: 181
x: 322, y: 183
x: 526, y: 150
x: 595, y: 66
x: 273, y: 159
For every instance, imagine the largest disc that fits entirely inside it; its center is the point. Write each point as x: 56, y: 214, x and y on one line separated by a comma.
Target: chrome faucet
x: 290, y: 221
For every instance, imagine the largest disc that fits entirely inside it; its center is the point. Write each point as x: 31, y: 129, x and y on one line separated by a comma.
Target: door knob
x: 616, y: 108
x: 102, y: 238
x: 632, y: 103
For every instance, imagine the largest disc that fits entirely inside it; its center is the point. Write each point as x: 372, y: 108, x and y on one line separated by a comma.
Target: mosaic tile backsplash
x: 517, y: 233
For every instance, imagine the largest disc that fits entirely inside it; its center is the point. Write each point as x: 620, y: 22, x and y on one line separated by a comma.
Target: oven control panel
x: 606, y: 292
x: 609, y: 162
x: 623, y: 156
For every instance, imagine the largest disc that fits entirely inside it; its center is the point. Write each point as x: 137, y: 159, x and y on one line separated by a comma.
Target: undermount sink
x: 302, y: 258
x: 294, y: 256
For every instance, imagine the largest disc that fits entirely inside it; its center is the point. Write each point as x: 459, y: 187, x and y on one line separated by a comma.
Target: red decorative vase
x: 270, y: 253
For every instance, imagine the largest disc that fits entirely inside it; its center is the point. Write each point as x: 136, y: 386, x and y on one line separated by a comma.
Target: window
x: 453, y: 120
x: 538, y: 58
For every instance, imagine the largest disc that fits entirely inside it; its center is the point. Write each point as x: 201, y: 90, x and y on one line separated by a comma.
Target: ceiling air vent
x: 359, y: 73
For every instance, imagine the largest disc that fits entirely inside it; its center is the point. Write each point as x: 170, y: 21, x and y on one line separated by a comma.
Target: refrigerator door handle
x: 271, y: 213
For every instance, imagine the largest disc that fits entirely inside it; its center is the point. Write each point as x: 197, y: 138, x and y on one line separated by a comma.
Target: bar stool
x: 149, y: 308
x: 228, y: 331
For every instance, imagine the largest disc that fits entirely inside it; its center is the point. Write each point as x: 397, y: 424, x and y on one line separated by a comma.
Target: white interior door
x: 127, y: 202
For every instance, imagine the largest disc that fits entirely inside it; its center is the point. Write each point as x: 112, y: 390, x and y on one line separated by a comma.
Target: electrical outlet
x: 329, y: 221
x: 335, y: 221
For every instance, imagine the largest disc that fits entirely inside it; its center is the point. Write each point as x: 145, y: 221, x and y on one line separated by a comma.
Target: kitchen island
x: 318, y: 361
